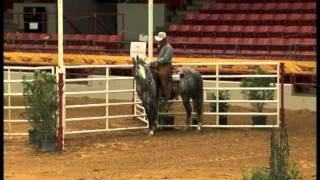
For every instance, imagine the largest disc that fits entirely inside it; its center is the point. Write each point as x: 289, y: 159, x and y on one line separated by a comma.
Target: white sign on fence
x: 138, y: 48
x: 33, y: 25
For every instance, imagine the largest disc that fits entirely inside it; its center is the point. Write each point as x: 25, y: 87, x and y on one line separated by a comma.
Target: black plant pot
x: 48, y: 145
x: 259, y: 120
x: 223, y: 120
x: 34, y: 136
x: 166, y: 120
x: 194, y: 121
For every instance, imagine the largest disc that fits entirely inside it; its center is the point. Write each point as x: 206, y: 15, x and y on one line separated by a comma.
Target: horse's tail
x: 198, y: 99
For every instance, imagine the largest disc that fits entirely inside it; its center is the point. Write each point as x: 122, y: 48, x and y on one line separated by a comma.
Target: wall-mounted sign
x: 138, y: 48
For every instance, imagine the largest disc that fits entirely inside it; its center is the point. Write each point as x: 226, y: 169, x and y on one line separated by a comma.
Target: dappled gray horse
x: 190, y: 86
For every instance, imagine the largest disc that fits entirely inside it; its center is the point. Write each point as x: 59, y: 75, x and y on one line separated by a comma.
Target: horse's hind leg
x: 187, y: 106
x: 198, y: 106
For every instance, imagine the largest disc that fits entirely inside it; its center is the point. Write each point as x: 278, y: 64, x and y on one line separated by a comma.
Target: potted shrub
x: 41, y: 107
x: 165, y: 119
x: 258, y: 94
x: 223, y: 106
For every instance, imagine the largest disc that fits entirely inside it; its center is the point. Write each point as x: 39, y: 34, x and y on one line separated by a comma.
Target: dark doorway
x: 35, y: 19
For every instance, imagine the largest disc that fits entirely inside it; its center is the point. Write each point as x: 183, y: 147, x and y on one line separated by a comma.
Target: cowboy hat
x: 160, y: 36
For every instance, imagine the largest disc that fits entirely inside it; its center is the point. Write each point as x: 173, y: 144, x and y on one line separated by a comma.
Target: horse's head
x: 139, y: 68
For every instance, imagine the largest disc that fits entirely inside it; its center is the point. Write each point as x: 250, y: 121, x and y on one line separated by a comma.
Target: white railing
x: 140, y: 115
x: 138, y: 110
x: 217, y: 88
x: 12, y: 80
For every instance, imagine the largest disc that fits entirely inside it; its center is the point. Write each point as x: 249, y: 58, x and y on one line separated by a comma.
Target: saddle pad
x: 176, y: 77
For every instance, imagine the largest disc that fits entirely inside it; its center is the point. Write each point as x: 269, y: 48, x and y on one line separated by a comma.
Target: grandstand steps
x: 9, y: 25
x: 178, y: 17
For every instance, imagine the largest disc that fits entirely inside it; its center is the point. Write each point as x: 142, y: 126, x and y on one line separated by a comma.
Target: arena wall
x: 136, y: 19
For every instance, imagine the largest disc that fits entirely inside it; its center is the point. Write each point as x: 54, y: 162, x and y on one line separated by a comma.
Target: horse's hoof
x: 151, y: 133
x: 198, y: 128
x: 186, y: 128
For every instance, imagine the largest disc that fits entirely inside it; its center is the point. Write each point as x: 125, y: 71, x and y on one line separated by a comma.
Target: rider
x: 165, y: 52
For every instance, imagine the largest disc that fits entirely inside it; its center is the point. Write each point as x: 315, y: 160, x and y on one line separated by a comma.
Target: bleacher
x: 248, y: 28
x: 74, y: 43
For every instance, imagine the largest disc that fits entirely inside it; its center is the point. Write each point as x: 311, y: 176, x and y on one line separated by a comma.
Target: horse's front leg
x: 188, y: 109
x: 150, y: 122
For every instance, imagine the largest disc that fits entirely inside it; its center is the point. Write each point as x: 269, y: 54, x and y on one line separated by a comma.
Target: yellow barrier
x: 23, y: 58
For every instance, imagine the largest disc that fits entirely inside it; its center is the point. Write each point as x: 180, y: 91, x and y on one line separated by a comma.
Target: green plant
x: 41, y: 102
x: 258, y: 94
x: 257, y: 174
x: 280, y: 167
x: 164, y: 106
x: 223, y: 106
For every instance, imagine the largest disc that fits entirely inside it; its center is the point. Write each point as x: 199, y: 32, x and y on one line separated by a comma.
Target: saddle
x: 177, y: 73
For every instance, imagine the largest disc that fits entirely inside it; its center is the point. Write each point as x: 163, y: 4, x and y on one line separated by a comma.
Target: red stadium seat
x: 263, y: 41
x: 249, y: 31
x: 227, y: 18
x: 294, y: 41
x: 280, y: 41
x: 248, y: 43
x: 254, y: 19
x: 103, y: 38
x: 218, y: 7
x: 284, y: 7
x: 197, y: 30
x: 310, y: 7
x: 236, y: 31
x: 311, y: 41
x: 231, y: 7
x: 257, y: 7
x: 294, y: 19
x: 244, y: 7
x: 91, y: 37
x: 234, y: 42
x: 173, y: 29
x: 23, y: 35
x: 270, y: 7
x: 184, y: 29
x: 277, y: 30
x: 241, y: 19
x: 34, y: 36
x: 181, y: 39
x: 210, y: 30
x: 267, y: 19
x: 11, y: 35
x: 263, y: 31
x: 44, y: 36
x: 297, y: 7
x: 99, y: 48
x: 190, y: 18
x: 216, y: 18
x: 207, y: 42
x: 222, y: 30
x: 116, y: 38
x: 309, y: 19
x: 193, y: 42
x: 68, y: 36
x: 308, y: 29
x: 53, y: 36
x: 292, y: 30
x: 280, y: 19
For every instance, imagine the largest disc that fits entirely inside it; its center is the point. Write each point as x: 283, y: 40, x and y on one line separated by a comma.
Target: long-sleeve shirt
x: 165, y: 54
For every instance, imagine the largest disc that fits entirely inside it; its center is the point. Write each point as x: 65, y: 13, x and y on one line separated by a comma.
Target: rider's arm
x: 166, y: 56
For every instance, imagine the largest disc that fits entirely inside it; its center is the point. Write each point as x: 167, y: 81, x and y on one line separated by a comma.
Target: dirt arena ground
x: 171, y: 154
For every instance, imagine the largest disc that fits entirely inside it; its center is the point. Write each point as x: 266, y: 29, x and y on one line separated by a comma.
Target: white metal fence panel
x: 13, y: 88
